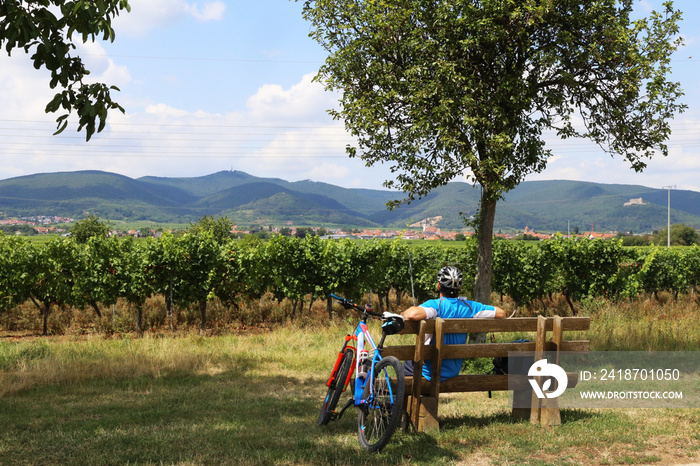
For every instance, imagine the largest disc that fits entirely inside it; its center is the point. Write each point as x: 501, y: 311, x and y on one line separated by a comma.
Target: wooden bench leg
x: 415, y: 404
x: 535, y: 408
x: 426, y: 419
x: 406, y: 415
x: 522, y: 400
x: 549, y: 414
x: 545, y: 411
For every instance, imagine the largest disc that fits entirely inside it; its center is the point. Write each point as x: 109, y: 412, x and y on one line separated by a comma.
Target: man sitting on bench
x: 449, y: 306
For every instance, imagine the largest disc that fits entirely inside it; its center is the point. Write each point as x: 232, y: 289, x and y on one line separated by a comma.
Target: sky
x: 228, y: 85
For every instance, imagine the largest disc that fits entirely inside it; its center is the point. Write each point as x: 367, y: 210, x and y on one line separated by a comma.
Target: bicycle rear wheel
x: 337, y: 385
x: 381, y: 414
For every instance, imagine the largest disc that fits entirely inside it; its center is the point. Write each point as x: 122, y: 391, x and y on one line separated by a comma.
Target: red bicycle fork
x: 338, y: 361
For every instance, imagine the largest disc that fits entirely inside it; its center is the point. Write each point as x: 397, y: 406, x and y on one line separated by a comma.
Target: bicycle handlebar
x: 347, y: 304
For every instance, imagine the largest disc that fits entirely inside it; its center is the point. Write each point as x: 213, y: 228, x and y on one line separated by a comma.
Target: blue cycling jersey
x: 453, y: 308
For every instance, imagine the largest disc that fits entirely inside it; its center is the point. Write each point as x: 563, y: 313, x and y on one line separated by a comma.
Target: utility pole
x: 668, y: 243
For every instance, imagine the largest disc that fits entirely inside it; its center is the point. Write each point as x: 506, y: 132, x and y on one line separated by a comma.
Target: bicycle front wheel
x: 335, y: 389
x: 381, y: 413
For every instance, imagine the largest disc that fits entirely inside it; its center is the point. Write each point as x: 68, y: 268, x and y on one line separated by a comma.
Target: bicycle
x: 378, y: 390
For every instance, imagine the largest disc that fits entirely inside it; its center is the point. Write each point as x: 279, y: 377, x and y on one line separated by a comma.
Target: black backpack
x: 500, y: 364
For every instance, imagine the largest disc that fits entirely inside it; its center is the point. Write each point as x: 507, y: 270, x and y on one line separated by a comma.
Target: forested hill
x: 540, y: 205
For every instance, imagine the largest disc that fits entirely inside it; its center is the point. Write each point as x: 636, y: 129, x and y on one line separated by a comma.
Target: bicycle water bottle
x: 364, y: 364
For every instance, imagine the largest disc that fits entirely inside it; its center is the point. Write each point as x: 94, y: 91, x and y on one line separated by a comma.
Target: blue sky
x: 215, y: 85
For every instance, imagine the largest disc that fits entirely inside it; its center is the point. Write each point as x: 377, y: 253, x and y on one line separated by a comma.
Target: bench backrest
x: 485, y: 350
x: 420, y: 352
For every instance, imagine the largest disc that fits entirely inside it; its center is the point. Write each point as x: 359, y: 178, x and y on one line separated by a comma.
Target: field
x: 252, y: 397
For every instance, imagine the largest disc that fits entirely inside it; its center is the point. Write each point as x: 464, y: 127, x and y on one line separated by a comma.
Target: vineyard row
x: 192, y: 270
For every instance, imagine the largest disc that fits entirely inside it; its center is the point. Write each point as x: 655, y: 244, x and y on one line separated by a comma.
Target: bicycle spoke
x: 380, y: 416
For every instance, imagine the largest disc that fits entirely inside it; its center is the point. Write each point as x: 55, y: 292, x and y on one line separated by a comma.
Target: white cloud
x: 212, y: 11
x: 24, y: 91
x: 306, y: 100
x: 645, y: 6
x: 102, y: 67
x: 329, y: 171
x: 147, y: 15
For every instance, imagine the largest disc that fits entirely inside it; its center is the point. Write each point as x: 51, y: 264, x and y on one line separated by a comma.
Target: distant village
x: 425, y: 230
x: 41, y: 225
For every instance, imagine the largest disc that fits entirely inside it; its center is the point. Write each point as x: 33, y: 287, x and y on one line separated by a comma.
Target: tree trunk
x: 139, y: 319
x: 203, y: 313
x: 45, y: 314
x: 484, y: 256
x: 329, y: 307
x: 44, y: 310
x: 380, y: 296
x: 168, y: 305
x: 484, y: 260
x: 571, y: 304
x: 96, y: 307
x: 294, y: 309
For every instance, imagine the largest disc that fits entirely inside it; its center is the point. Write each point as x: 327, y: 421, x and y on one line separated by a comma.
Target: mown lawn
x: 253, y: 398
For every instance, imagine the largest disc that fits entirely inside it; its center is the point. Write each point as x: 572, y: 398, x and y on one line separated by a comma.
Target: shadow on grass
x: 234, y: 417
x: 505, y: 418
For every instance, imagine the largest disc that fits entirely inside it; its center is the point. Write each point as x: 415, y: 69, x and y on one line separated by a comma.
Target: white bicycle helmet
x: 450, y: 277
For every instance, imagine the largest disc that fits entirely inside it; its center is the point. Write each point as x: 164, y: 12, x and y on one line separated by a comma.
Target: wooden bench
x: 422, y: 395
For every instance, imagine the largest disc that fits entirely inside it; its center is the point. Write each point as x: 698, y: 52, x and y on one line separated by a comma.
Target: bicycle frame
x: 362, y: 336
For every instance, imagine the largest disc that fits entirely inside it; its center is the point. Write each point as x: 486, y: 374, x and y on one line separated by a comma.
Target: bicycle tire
x: 379, y: 417
x: 330, y: 402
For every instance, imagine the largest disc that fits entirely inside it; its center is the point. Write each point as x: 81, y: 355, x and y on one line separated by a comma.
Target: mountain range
x: 248, y: 200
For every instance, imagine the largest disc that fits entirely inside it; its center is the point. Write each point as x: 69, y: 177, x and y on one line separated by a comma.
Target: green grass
x: 253, y: 398
x: 39, y: 239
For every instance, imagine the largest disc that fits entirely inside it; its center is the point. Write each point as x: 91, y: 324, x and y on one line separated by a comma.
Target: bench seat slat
x: 484, y: 383
x: 481, y: 350
x: 501, y: 350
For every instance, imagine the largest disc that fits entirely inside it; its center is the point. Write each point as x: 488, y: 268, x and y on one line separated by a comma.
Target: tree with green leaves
x: 218, y: 227
x: 454, y: 88
x: 303, y: 232
x: 89, y: 227
x: 46, y: 29
x: 681, y: 235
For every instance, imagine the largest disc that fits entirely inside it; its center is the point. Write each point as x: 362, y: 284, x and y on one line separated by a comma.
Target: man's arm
x: 414, y: 313
x: 419, y: 313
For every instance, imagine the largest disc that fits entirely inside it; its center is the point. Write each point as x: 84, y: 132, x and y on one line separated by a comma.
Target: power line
x: 205, y: 59
x: 193, y: 125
